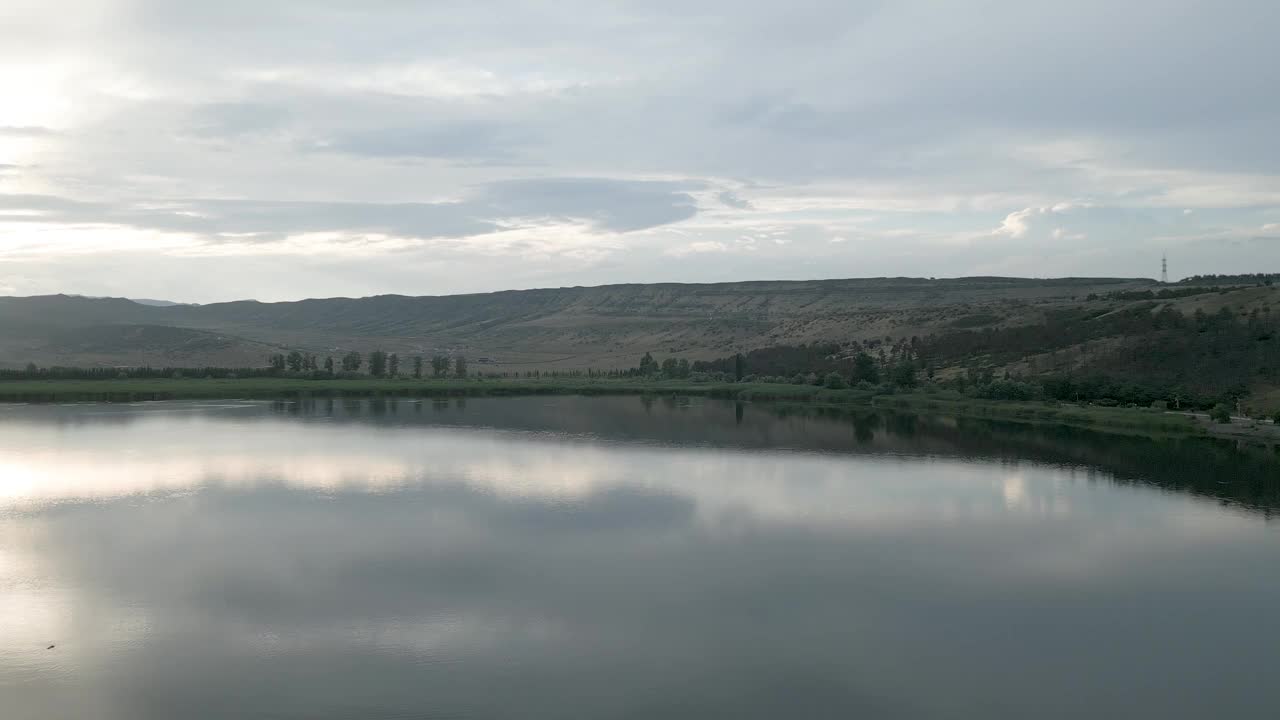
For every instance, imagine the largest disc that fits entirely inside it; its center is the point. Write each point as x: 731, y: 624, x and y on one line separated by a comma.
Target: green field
x: 942, y: 403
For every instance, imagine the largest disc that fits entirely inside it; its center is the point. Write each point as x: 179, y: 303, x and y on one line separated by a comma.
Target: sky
x: 282, y: 149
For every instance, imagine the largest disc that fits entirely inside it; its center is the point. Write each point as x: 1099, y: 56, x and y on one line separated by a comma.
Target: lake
x: 568, y: 557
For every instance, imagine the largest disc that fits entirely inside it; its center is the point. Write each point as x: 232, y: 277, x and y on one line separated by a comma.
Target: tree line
x: 1136, y: 355
x: 1241, y: 279
x: 35, y: 372
x: 296, y: 363
x: 1140, y: 355
x: 866, y: 363
x: 378, y: 363
x: 1163, y: 293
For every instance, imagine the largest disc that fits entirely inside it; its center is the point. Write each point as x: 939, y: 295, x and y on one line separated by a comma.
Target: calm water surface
x: 621, y: 557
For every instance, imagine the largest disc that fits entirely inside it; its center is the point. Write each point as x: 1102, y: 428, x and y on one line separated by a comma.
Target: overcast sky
x: 280, y: 149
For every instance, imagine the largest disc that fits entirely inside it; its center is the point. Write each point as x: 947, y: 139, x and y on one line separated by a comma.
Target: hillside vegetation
x: 1100, y: 340
x: 1186, y: 348
x: 602, y: 327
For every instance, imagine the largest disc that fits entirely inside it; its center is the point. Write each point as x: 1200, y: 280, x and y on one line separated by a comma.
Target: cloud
x: 731, y: 199
x: 236, y: 119
x: 702, y: 246
x: 1063, y: 234
x: 615, y: 205
x: 460, y: 141
x: 903, y: 127
x: 1018, y: 223
x: 609, y: 205
x: 25, y: 131
x: 1015, y: 223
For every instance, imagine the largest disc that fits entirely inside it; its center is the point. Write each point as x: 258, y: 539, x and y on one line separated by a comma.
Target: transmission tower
x: 1164, y: 269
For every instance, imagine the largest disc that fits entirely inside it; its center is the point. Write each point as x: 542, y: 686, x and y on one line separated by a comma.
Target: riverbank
x: 1240, y: 428
x: 270, y: 388
x: 134, y: 390
x: 945, y: 403
x: 1139, y: 420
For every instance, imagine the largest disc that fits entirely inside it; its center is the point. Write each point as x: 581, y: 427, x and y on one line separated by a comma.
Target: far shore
x: 929, y: 401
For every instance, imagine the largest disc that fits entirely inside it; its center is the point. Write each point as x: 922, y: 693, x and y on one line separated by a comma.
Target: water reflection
x: 561, y: 557
x: 360, y: 439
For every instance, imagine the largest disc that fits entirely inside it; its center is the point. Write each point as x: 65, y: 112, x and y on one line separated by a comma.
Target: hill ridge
x: 601, y: 325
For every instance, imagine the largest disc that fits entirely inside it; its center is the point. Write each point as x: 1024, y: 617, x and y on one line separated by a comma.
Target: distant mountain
x: 140, y: 301
x: 157, y: 303
x: 603, y: 327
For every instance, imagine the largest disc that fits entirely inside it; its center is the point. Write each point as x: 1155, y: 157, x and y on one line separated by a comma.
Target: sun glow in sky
x: 212, y: 151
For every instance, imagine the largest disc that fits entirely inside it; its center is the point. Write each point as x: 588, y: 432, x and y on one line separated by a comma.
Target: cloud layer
x: 354, y: 148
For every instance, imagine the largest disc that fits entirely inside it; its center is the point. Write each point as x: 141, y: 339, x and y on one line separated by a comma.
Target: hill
x: 1132, y: 340
x: 1185, y: 346
x: 605, y: 326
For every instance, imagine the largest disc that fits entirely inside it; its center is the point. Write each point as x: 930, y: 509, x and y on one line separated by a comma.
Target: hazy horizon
x: 161, y: 302
x: 201, y: 153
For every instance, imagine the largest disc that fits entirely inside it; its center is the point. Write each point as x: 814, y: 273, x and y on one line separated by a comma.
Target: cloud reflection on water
x: 332, y: 569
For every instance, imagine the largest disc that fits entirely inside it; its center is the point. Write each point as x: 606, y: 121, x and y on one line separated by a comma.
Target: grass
x: 1130, y: 419
x: 133, y: 390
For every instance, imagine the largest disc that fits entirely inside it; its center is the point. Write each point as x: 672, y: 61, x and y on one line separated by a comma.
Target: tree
x: 417, y: 367
x: 670, y: 367
x: 739, y: 367
x: 1220, y: 414
x: 1009, y: 390
x: 393, y: 365
x: 460, y: 366
x: 648, y: 366
x: 277, y: 362
x: 352, y: 361
x: 1276, y: 418
x: 328, y: 364
x: 378, y: 363
x: 865, y: 369
x: 904, y: 374
x: 682, y: 369
x: 439, y: 365
x: 295, y: 360
x: 835, y: 381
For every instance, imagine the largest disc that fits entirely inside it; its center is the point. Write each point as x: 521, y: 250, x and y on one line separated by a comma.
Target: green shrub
x: 1220, y: 414
x: 904, y: 375
x: 1009, y: 390
x: 834, y: 381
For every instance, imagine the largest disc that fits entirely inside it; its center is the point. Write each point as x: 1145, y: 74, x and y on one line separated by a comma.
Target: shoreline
x: 921, y: 401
